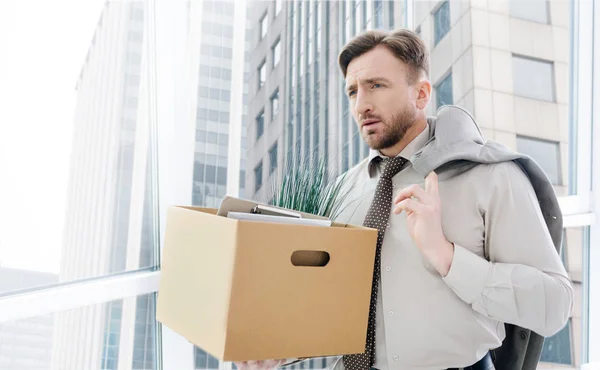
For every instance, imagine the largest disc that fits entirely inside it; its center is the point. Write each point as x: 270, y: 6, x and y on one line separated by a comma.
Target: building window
x: 276, y: 53
x: 545, y: 153
x: 557, y: 348
x: 262, y: 74
x: 264, y: 25
x: 274, y: 104
x: 530, y: 10
x: 533, y: 78
x: 258, y: 177
x: 443, y: 92
x: 260, y: 124
x: 273, y: 158
x: 442, y: 21
x: 278, y: 6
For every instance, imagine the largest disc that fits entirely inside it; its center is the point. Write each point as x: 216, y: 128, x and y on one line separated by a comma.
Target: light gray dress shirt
x: 490, y: 213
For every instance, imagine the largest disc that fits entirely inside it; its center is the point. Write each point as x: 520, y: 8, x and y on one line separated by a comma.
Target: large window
x: 531, y: 10
x: 119, y: 123
x: 533, y: 78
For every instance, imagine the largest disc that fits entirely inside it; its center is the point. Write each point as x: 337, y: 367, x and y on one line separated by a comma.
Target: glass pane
x: 533, y: 78
x: 115, y: 335
x: 204, y: 361
x: 442, y: 21
x: 276, y: 54
x: 264, y: 24
x: 273, y: 158
x: 443, y: 92
x: 79, y: 200
x: 565, y: 347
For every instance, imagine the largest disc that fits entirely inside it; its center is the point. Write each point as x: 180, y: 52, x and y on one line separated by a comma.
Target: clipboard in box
x: 232, y: 204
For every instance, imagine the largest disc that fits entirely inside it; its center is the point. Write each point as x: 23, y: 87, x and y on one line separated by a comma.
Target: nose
x: 363, y: 104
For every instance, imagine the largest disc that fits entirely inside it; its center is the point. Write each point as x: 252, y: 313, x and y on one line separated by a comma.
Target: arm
x: 526, y: 283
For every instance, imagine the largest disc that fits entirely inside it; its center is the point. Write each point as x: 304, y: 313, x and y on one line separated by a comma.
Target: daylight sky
x: 42, y: 48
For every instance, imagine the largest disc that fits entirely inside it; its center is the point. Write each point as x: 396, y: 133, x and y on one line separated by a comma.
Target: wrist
x: 441, y: 258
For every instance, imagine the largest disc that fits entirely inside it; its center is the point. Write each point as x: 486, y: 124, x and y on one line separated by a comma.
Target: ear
x: 423, y: 89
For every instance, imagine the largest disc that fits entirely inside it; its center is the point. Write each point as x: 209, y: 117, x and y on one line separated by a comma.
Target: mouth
x: 370, y: 122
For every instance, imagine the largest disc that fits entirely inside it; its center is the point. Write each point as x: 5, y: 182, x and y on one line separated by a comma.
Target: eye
x: 352, y: 93
x: 375, y: 86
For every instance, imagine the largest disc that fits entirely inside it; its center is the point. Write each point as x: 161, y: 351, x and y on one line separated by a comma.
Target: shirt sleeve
x: 525, y: 282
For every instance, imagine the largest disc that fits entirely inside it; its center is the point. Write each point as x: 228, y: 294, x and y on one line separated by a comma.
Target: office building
x: 108, y: 225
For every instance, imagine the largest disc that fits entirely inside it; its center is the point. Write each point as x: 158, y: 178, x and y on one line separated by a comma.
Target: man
x: 461, y: 254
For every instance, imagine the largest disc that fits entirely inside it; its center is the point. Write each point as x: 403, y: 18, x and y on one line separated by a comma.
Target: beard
x: 392, y: 131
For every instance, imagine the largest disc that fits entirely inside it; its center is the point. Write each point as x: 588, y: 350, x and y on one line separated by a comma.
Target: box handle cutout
x: 310, y: 258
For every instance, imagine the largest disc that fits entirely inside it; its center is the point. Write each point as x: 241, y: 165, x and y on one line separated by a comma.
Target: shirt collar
x: 413, y: 147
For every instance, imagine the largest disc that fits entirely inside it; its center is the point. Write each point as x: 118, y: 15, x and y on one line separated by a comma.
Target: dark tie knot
x: 391, y: 166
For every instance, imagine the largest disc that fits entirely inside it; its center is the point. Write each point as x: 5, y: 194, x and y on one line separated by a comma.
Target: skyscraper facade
x: 109, y: 222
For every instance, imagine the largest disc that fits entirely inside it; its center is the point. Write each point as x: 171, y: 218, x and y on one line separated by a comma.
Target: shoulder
x: 503, y: 185
x: 502, y: 174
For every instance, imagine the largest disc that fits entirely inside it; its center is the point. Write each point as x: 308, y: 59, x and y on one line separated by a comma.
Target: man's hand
x: 424, y: 222
x: 259, y: 365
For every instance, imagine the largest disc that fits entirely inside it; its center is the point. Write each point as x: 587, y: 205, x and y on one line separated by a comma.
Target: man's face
x: 381, y: 100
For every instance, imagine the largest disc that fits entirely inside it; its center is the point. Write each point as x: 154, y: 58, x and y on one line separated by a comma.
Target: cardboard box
x: 244, y: 290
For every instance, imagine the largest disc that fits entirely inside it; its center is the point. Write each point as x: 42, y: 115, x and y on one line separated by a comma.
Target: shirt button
x: 388, y: 268
x: 395, y: 358
x: 387, y: 226
x: 391, y: 313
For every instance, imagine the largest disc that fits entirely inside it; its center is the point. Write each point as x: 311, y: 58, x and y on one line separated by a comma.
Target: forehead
x: 377, y: 62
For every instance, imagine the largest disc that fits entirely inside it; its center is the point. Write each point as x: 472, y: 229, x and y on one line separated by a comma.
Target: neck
x: 415, y: 130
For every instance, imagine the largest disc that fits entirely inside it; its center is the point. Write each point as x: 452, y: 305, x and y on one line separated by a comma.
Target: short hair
x: 404, y: 44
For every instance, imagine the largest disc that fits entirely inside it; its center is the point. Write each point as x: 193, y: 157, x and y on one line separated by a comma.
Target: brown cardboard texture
x: 244, y: 290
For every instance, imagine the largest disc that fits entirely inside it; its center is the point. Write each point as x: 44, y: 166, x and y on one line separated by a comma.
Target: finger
x: 412, y: 191
x: 431, y: 184
x: 270, y: 364
x: 253, y: 365
x: 409, y: 205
